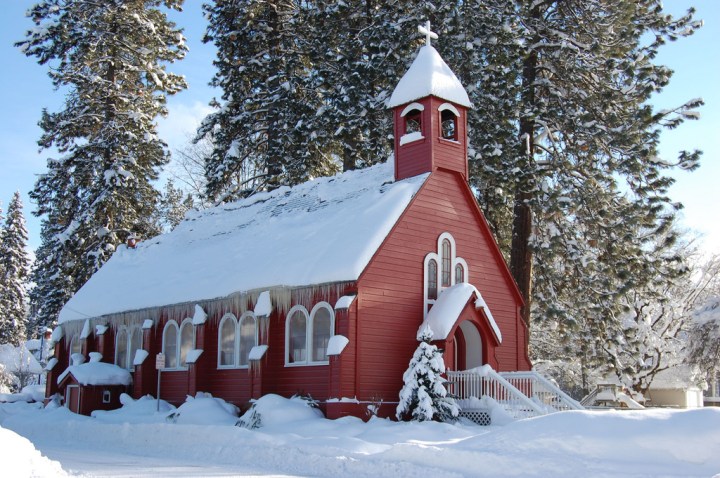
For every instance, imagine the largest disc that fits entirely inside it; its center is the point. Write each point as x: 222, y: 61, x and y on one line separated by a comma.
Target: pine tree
x: 576, y: 193
x: 263, y: 131
x: 424, y: 397
x: 14, y: 270
x: 110, y: 57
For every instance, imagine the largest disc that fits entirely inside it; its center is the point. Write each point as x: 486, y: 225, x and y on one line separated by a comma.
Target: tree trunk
x: 521, y: 256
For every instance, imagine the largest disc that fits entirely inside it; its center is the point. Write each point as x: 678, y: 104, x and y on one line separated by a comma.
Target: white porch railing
x: 484, y: 381
x: 542, y: 390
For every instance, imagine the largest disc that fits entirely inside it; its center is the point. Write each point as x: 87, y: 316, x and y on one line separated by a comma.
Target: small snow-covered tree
x: 14, y: 270
x: 424, y: 397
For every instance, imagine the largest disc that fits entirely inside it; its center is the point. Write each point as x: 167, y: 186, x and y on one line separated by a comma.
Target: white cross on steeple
x: 425, y: 30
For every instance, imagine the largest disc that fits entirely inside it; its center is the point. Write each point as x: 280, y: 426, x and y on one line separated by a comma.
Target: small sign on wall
x: 160, y: 361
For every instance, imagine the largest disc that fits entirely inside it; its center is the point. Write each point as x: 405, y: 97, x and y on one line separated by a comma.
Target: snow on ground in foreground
x: 644, y: 443
x: 19, y: 458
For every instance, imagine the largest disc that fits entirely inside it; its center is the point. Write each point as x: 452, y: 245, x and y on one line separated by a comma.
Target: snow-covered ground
x: 293, y: 440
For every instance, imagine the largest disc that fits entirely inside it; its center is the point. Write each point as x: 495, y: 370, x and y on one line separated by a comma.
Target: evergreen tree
x: 110, y: 57
x: 424, y: 397
x: 263, y: 132
x: 576, y: 193
x: 14, y: 270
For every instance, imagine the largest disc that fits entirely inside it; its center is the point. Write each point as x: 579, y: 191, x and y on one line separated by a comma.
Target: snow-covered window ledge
x: 193, y: 355
x: 336, y: 345
x: 257, y: 353
x: 411, y: 137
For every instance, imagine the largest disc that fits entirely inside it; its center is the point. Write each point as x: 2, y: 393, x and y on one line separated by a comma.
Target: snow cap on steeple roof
x: 429, y: 75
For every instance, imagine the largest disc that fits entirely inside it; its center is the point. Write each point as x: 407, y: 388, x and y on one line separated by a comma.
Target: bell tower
x: 430, y: 116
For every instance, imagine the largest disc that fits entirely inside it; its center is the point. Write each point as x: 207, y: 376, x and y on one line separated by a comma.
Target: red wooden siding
x: 390, y: 289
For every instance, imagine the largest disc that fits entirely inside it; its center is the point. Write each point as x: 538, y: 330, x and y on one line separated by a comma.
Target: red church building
x: 317, y: 289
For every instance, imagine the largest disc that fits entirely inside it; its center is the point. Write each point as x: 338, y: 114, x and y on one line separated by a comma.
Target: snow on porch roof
x: 448, y: 307
x: 429, y: 75
x: 322, y: 231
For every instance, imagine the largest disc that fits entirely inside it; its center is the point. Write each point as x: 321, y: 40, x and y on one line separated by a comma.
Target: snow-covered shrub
x: 424, y: 397
x: 272, y: 409
x: 204, y: 409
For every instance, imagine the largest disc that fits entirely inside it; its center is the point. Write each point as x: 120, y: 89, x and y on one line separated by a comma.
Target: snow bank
x: 20, y: 458
x: 628, y: 444
x: 142, y: 410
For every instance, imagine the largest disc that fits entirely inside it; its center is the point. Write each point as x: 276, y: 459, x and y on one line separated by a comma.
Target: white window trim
x: 129, y: 359
x: 178, y: 341
x: 224, y: 319
x: 185, y: 321
x: 412, y: 106
x: 120, y: 330
x: 311, y: 345
x: 437, y: 255
x: 449, y: 106
x: 243, y: 317
x: 289, y: 314
x: 310, y: 320
x: 172, y: 323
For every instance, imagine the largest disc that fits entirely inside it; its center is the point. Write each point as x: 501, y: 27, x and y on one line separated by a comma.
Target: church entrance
x: 468, y: 349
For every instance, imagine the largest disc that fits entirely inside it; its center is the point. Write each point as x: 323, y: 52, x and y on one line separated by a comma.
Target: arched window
x: 459, y: 273
x: 297, y: 335
x: 127, y: 343
x: 135, y: 345
x: 248, y: 337
x: 76, y: 345
x: 121, y: 348
x: 413, y: 122
x: 170, y: 344
x: 453, y: 269
x: 308, y: 335
x: 449, y: 121
x: 187, y: 341
x: 226, y: 341
x: 432, y: 279
x: 322, y: 329
x: 446, y: 259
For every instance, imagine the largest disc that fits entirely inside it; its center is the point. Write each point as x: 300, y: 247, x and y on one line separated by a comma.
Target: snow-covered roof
x: 322, y: 231
x: 429, y: 75
x: 18, y: 359
x: 98, y: 373
x: 680, y: 377
x: 449, y: 305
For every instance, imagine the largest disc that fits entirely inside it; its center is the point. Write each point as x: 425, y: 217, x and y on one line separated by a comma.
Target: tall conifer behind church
x: 264, y: 130
x: 576, y: 192
x: 109, y: 58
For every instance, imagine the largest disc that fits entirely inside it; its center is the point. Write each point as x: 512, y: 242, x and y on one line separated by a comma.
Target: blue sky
x: 25, y: 90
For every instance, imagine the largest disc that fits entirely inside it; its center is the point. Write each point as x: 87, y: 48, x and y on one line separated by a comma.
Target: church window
x: 432, y: 281
x: 187, y: 341
x: 452, y: 269
x: 448, y: 121
x: 121, y: 352
x: 322, y: 329
x: 76, y: 345
x: 226, y: 341
x: 308, y: 335
x: 459, y: 273
x: 170, y: 344
x: 296, y: 350
x: 412, y: 122
x: 446, y: 261
x: 248, y: 337
x: 127, y: 343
